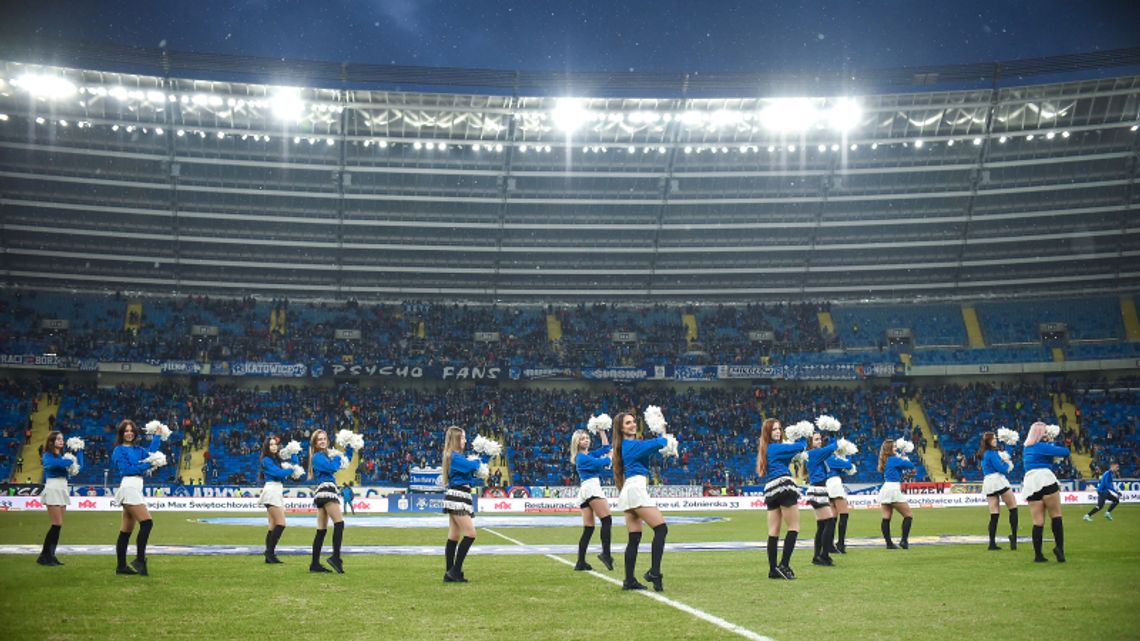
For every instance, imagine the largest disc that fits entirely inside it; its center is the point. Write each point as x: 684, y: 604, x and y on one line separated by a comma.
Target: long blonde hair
x: 1036, y: 433
x: 313, y: 447
x: 885, y: 451
x: 452, y: 442
x: 618, y: 464
x: 762, y: 448
x: 576, y: 444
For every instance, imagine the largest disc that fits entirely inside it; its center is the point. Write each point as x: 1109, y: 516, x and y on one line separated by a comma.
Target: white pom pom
x: 289, y: 450
x: 297, y: 472
x: 801, y: 430
x: 670, y: 448
x: 72, y: 469
x: 1052, y: 431
x: 155, y: 459
x: 483, y: 472
x: 157, y: 427
x: 903, y: 446
x: 333, y: 453
x: 827, y: 423
x: 601, y: 423
x: 75, y: 444
x: 655, y: 420
x: 851, y: 472
x: 151, y: 427
x: 486, y: 446
x: 1008, y: 436
x: 343, y: 438
x: 846, y: 448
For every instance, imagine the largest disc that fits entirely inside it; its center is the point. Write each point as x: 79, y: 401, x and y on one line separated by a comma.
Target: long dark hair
x: 618, y: 463
x: 984, y: 445
x: 762, y: 448
x: 51, y: 439
x: 122, y: 428
x: 266, y: 453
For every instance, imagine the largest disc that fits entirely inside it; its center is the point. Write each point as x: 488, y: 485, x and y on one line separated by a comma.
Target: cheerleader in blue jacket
x: 323, y: 466
x: 1041, y: 489
x: 817, y: 472
x: 275, y: 472
x: 891, y: 497
x: 781, y: 494
x: 57, y: 466
x: 591, y: 500
x: 631, y: 471
x: 131, y: 461
x: 837, y: 495
x: 460, y: 474
x: 995, y: 486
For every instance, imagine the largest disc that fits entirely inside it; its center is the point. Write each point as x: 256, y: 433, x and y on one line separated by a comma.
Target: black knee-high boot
x: 1038, y: 538
x: 1013, y: 528
x: 121, y: 553
x: 825, y: 543
x: 461, y: 554
x: 583, y: 545
x: 1058, y: 539
x: 631, y: 558
x: 318, y: 543
x: 885, y: 527
x: 993, y: 530
x: 817, y: 543
x: 842, y: 547
x: 338, y: 537
x: 789, y: 547
x: 904, y: 542
x: 773, y: 556
x: 657, y: 550
x: 144, y: 536
x: 449, y: 553
x: 51, y: 539
x: 607, y: 526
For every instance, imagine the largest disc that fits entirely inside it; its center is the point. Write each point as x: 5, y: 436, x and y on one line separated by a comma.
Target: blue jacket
x: 325, y: 467
x: 817, y: 463
x: 1105, y: 484
x: 462, y: 472
x: 892, y: 473
x: 992, y: 463
x: 1039, y: 456
x: 591, y: 464
x: 127, y: 459
x: 635, y: 454
x: 837, y: 463
x: 780, y: 455
x: 55, y: 466
x: 272, y: 470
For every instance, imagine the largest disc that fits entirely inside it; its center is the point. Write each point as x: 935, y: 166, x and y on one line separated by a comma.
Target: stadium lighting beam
x: 844, y: 115
x: 789, y: 114
x: 46, y: 86
x: 570, y: 114
x: 287, y: 104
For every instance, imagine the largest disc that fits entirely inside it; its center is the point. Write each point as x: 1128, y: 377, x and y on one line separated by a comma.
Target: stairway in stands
x: 33, y: 465
x: 690, y: 322
x: 973, y: 327
x: 932, y: 457
x: 553, y: 328
x: 1128, y: 314
x: 1063, y: 406
x: 196, y: 473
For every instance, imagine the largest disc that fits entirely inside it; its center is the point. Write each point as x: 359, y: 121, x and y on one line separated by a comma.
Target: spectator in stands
x: 459, y: 476
x: 1041, y: 489
x: 56, y: 496
x: 995, y: 465
x: 131, y: 462
x: 891, y: 497
x: 591, y: 500
x: 274, y: 471
x: 1105, y: 491
x: 323, y: 465
x: 781, y: 494
x: 631, y: 469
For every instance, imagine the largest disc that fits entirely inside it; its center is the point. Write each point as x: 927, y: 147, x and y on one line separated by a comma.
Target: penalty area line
x: 683, y: 607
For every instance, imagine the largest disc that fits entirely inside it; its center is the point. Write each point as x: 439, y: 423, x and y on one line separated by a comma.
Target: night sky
x: 591, y: 35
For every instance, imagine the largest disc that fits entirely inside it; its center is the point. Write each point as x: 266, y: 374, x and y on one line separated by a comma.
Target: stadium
x: 244, y: 248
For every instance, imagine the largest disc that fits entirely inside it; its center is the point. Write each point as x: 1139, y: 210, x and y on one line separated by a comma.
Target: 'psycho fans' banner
x: 433, y: 372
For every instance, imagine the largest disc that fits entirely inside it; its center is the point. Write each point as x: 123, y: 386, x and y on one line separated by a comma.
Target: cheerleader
x: 459, y: 475
x: 1106, y: 492
x: 891, y: 498
x: 132, y: 461
x: 781, y: 494
x: 817, y: 456
x: 631, y: 469
x: 590, y: 498
x: 837, y: 496
x: 274, y: 470
x: 57, y: 466
x: 995, y: 465
x: 1041, y: 489
x: 323, y: 465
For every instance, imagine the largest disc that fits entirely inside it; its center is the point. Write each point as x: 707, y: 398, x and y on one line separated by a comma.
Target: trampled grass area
x: 928, y: 592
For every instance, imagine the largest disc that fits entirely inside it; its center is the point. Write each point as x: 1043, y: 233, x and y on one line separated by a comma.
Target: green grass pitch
x: 936, y: 593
